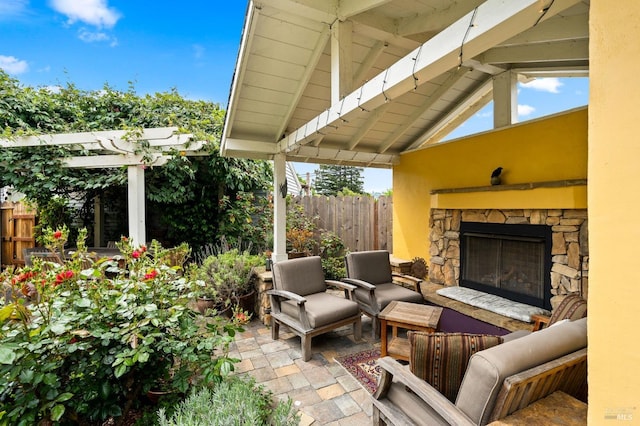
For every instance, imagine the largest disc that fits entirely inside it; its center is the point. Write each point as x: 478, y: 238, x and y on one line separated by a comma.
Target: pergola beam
x: 118, y: 148
x: 87, y: 137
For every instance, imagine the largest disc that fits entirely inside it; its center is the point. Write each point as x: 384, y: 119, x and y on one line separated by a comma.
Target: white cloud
x: 52, y: 89
x: 524, y: 110
x: 12, y: 8
x: 89, y: 36
x: 92, y: 12
x: 198, y: 51
x: 13, y: 65
x: 550, y: 85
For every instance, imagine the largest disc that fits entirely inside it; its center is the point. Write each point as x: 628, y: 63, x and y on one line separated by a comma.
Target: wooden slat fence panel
x: 18, y: 220
x: 362, y: 222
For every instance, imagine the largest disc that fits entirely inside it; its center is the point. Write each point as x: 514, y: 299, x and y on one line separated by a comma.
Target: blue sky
x: 191, y: 46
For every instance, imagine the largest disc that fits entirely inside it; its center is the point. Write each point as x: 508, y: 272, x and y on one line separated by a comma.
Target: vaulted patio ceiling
x: 358, y: 82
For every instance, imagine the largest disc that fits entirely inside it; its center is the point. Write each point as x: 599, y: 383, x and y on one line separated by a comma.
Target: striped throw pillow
x: 441, y: 358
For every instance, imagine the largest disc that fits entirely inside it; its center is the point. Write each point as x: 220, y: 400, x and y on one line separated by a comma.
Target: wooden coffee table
x: 408, y: 316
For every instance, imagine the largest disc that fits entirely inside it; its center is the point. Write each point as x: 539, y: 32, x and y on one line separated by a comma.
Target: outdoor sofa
x: 497, y: 381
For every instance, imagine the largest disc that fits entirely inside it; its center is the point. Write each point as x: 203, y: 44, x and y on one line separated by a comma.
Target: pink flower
x: 135, y: 254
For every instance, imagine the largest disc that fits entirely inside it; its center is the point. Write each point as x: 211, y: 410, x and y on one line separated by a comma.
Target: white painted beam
x: 565, y: 51
x: 490, y: 24
x: 111, y: 161
x: 344, y: 156
x: 473, y: 102
x: 85, y: 137
x: 417, y: 112
x: 341, y: 60
x: 505, y: 99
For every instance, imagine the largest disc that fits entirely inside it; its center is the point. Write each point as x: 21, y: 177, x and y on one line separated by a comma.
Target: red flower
x: 143, y: 248
x: 65, y: 275
x: 241, y: 317
x: 151, y: 274
x: 135, y: 254
x: 57, y: 235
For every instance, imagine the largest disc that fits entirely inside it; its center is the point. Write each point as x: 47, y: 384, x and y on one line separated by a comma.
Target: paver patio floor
x: 322, y: 390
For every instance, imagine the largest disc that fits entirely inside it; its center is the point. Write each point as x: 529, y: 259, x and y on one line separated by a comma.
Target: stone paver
x: 321, y: 389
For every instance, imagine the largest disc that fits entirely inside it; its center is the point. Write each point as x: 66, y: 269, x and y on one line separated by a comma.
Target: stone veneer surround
x: 570, y: 250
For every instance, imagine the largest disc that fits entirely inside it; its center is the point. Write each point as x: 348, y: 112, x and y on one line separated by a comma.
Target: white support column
x: 279, y: 208
x: 136, y: 205
x: 505, y: 99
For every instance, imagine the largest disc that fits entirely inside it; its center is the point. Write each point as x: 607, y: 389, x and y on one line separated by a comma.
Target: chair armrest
x: 390, y: 369
x: 348, y: 288
x: 287, y: 295
x: 413, y: 280
x: 373, y: 305
x: 539, y: 321
x: 359, y: 283
x: 275, y: 295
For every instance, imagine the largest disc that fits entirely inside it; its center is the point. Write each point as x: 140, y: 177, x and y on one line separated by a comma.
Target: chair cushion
x: 301, y: 276
x: 372, y: 266
x: 441, y: 358
x: 322, y: 309
x: 387, y: 292
x: 572, y: 307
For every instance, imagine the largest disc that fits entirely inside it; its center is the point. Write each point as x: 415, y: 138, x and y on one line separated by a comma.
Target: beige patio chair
x: 370, y: 272
x: 300, y: 300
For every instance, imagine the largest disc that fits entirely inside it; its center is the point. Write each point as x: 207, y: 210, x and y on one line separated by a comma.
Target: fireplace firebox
x: 508, y: 260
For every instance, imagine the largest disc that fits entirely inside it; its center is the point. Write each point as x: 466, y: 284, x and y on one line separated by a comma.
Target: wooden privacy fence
x: 363, y: 223
x: 17, y: 224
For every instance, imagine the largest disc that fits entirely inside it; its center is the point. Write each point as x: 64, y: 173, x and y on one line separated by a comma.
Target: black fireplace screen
x: 507, y: 261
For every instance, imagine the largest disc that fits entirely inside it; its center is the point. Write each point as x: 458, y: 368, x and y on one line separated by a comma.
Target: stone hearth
x: 570, y: 250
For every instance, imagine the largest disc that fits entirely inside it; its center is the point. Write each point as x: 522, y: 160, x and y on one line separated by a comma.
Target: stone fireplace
x: 528, y: 255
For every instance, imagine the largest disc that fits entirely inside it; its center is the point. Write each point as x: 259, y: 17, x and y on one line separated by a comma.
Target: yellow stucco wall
x: 551, y: 149
x: 614, y: 202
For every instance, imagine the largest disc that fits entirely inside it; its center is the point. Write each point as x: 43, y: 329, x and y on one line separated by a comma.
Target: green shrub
x: 228, y: 275
x: 234, y: 401
x: 96, y: 336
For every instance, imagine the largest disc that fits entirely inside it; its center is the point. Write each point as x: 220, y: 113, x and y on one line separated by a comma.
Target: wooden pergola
x: 118, y: 148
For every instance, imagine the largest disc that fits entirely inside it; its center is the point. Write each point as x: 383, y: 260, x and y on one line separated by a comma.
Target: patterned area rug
x: 362, y: 366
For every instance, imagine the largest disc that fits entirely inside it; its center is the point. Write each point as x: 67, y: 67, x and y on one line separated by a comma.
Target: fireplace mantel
x: 515, y: 186
x: 564, y: 194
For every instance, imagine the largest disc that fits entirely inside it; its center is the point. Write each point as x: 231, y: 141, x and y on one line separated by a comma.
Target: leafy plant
x: 98, y: 335
x: 228, y: 275
x: 197, y: 185
x: 233, y: 401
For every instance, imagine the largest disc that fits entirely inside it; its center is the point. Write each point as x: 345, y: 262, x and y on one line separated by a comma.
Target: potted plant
x: 228, y: 278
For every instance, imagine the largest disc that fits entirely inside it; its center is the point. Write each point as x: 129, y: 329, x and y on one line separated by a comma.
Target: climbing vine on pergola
x: 42, y: 171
